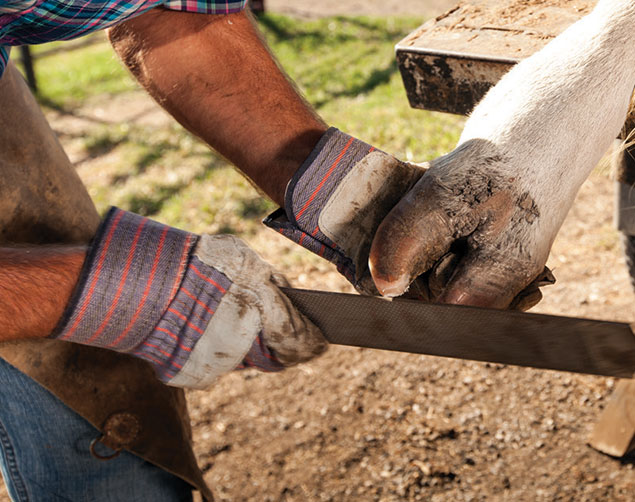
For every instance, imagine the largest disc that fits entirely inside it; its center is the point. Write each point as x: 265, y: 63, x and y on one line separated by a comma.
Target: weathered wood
x: 614, y: 434
x: 447, y: 83
x: 450, y: 62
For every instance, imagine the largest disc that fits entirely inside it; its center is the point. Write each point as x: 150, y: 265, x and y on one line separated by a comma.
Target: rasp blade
x: 497, y: 336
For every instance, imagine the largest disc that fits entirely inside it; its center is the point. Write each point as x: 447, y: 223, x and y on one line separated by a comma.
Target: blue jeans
x: 45, y: 456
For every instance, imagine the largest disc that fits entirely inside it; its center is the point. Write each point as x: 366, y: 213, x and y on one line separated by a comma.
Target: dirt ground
x: 362, y: 425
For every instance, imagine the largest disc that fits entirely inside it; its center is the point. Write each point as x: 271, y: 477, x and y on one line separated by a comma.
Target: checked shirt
x: 25, y: 22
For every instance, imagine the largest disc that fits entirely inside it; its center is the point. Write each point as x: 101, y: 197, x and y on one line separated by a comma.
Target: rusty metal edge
x: 460, y: 105
x: 458, y: 55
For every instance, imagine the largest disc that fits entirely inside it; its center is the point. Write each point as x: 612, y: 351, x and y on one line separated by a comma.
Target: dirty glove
x: 338, y: 197
x: 337, y: 200
x: 194, y: 307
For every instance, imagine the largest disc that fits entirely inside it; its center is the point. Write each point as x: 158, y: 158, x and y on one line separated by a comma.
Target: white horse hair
x: 547, y: 123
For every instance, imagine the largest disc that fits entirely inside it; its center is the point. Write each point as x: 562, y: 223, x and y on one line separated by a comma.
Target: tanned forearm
x: 35, y: 285
x: 217, y: 78
x: 215, y: 75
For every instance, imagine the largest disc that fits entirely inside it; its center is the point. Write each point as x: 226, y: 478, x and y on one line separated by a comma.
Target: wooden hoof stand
x: 450, y: 62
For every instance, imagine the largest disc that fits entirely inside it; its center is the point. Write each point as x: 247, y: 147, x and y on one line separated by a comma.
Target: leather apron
x: 43, y: 201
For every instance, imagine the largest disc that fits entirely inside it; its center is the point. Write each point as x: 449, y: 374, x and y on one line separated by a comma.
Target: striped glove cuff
x: 337, y: 199
x: 143, y: 292
x: 308, y: 192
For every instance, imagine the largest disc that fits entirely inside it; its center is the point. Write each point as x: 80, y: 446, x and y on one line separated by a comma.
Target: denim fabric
x: 45, y: 457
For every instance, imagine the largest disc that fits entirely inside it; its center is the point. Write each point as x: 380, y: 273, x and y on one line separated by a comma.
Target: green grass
x: 344, y: 66
x: 68, y: 77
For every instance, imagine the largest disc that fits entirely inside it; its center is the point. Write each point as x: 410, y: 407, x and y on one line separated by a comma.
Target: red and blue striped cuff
x: 142, y: 292
x: 132, y: 272
x: 310, y: 189
x: 260, y: 357
x: 184, y: 321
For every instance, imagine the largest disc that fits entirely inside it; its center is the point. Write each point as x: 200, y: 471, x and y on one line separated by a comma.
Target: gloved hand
x: 338, y: 199
x: 195, y: 307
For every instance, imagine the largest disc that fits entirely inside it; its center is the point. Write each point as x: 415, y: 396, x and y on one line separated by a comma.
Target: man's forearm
x: 192, y: 306
x: 36, y: 284
x: 216, y: 76
x: 218, y: 79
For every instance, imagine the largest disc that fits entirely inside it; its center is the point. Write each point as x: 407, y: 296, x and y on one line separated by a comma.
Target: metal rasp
x: 497, y: 336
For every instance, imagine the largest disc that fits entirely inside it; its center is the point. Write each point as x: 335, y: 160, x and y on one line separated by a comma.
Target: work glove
x: 335, y: 204
x: 193, y: 306
x: 338, y: 197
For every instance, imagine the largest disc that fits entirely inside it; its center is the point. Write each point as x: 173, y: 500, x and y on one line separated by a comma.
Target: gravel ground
x: 361, y: 425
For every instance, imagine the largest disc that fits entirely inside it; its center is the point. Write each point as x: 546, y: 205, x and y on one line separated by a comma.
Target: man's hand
x: 336, y: 200
x: 346, y: 188
x: 194, y: 307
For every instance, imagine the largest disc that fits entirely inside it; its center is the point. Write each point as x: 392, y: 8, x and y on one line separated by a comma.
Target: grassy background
x: 344, y: 66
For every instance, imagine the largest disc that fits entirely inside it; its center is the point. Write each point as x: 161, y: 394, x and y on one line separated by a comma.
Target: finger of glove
x: 483, y: 281
x: 289, y: 333
x: 286, y: 331
x: 410, y: 239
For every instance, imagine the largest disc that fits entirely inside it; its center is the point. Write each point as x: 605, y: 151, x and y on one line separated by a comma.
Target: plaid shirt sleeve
x: 25, y: 22
x: 206, y: 7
